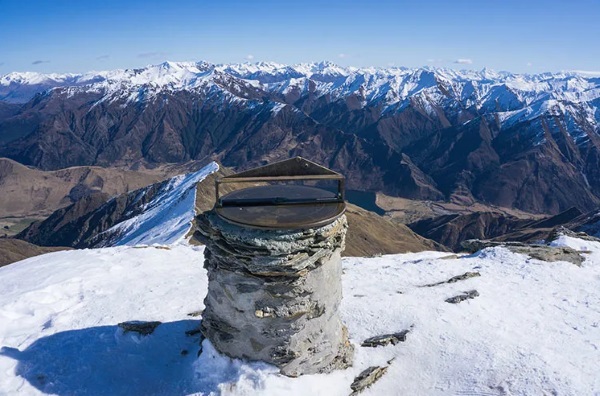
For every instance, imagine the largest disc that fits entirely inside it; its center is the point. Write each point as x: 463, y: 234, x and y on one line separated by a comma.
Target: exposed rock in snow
x: 585, y: 226
x: 143, y: 328
x: 367, y: 378
x: 563, y: 231
x: 456, y: 278
x: 534, y: 329
x: 537, y: 251
x: 469, y: 295
x: 385, y: 339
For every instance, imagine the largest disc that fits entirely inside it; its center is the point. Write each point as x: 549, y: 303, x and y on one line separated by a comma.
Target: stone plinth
x: 274, y: 295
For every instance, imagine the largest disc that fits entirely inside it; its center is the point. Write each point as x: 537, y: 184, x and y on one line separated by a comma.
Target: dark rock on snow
x: 143, y: 328
x: 558, y: 231
x: 462, y: 297
x: 367, y: 378
x: 385, y: 339
x: 455, y: 279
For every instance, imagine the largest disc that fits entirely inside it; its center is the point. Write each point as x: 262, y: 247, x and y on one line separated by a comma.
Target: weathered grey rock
x: 550, y: 253
x: 367, y: 378
x: 273, y: 295
x: 539, y: 252
x: 475, y: 245
x: 195, y: 314
x: 385, y: 339
x: 462, y: 297
x: 143, y: 328
x: 456, y: 278
x: 560, y: 230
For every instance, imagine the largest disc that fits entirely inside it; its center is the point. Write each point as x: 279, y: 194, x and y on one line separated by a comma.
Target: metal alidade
x: 272, y: 205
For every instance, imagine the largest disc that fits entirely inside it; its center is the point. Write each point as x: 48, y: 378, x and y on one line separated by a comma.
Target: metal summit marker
x: 282, y: 206
x: 273, y: 256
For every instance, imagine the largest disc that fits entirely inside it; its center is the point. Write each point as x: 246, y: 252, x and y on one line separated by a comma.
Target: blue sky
x: 521, y: 36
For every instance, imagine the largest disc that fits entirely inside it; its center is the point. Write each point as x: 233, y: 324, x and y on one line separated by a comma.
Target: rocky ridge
x: 454, y: 230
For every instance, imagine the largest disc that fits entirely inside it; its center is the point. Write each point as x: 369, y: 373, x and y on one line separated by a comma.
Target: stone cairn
x: 273, y: 295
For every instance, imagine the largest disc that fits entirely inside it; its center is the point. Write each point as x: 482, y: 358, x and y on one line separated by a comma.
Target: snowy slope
x: 166, y: 219
x: 534, y: 329
x: 20, y: 87
x: 389, y: 88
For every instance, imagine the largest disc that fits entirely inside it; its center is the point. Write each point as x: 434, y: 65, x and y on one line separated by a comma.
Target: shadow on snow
x: 107, y: 361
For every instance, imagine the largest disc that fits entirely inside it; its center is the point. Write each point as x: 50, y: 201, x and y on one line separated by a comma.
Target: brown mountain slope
x: 370, y: 234
x: 450, y: 230
x: 28, y: 192
x: 408, y: 211
x: 13, y: 250
x: 79, y: 224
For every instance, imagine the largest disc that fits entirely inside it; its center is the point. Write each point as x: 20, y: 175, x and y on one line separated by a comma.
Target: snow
x: 574, y: 86
x: 166, y: 219
x: 578, y: 244
x: 323, y: 70
x: 59, y: 312
x: 389, y: 89
x: 534, y: 329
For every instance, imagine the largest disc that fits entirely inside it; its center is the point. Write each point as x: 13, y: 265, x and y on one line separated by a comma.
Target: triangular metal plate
x: 296, y: 166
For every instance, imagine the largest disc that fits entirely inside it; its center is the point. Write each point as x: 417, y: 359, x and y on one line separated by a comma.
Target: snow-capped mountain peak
x: 326, y: 76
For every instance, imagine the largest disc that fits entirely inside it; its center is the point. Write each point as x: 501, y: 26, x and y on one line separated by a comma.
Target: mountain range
x: 529, y: 142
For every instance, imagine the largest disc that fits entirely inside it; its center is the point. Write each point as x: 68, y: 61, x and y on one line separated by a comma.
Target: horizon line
x: 584, y: 73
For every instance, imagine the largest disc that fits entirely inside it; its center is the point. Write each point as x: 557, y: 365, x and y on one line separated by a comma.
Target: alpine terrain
x: 125, y: 320
x: 529, y: 142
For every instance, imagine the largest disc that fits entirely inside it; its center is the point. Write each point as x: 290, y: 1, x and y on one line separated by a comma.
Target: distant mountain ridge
x: 484, y: 89
x: 530, y: 142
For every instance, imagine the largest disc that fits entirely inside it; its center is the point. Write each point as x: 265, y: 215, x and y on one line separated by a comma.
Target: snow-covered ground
x: 533, y: 330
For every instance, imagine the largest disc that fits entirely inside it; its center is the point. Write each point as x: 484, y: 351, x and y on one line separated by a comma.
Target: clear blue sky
x: 82, y: 35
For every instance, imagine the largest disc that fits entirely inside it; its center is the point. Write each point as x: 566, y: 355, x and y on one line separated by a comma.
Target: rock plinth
x: 273, y: 295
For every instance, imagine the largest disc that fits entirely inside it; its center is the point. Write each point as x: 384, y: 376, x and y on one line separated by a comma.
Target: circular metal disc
x: 308, y: 214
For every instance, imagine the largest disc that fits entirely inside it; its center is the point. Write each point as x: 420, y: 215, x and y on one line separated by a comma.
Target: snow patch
x: 167, y: 218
